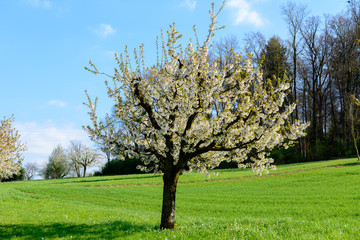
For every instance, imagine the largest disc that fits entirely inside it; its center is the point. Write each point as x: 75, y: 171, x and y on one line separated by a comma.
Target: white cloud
x: 41, y: 139
x: 190, y: 4
x: 103, y: 30
x: 57, y: 103
x: 244, y: 13
x: 39, y: 3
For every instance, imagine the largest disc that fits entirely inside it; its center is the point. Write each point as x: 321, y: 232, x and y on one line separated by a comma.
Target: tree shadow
x: 350, y: 164
x: 85, y: 180
x: 106, y: 230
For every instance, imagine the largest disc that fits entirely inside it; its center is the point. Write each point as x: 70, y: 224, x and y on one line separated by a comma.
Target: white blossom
x: 187, y: 111
x: 10, y: 149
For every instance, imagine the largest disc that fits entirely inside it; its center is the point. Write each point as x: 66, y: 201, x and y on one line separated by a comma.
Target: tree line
x: 73, y: 161
x: 324, y: 67
x: 321, y: 59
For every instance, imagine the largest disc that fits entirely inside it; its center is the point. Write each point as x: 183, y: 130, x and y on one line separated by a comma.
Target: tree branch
x: 145, y: 105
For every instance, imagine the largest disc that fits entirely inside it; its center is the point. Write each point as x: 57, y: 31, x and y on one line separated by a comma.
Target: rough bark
x: 170, y: 179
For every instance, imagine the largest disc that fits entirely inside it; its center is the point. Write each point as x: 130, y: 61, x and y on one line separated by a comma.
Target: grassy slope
x: 297, y: 201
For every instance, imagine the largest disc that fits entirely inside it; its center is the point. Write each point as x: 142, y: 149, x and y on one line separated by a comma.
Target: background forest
x: 321, y: 59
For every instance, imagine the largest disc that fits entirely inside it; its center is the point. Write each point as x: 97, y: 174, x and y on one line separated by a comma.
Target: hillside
x: 318, y: 200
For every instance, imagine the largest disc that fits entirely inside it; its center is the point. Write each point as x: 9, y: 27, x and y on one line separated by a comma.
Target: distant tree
x: 75, y: 151
x: 344, y: 64
x: 19, y: 176
x: 113, y: 129
x: 354, y: 115
x: 315, y: 55
x: 120, y: 167
x: 324, y: 63
x: 224, y: 48
x: 255, y: 45
x: 275, y: 65
x: 354, y: 10
x: 168, y: 110
x: 31, y: 170
x: 82, y: 156
x: 58, y: 165
x: 11, y: 149
x: 294, y: 16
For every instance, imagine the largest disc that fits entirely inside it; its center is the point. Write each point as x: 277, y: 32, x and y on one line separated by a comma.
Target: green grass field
x: 319, y: 200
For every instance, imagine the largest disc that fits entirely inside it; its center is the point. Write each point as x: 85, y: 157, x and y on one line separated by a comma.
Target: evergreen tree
x: 275, y: 64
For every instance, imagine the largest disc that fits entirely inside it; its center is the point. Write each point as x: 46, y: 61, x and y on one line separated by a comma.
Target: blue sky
x: 45, y: 45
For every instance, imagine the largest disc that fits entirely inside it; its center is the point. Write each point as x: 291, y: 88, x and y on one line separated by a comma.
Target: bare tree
x: 255, y: 45
x: 224, y: 49
x: 294, y: 15
x: 344, y: 65
x: 31, y: 170
x: 315, y: 55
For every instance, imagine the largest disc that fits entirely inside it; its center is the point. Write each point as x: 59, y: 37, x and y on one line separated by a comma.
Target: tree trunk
x: 357, y: 151
x: 77, y: 170
x: 170, y: 179
x: 84, y: 171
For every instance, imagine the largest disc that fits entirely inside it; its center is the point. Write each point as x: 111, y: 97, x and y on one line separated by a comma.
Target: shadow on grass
x: 106, y: 230
x: 99, y: 179
x: 350, y: 164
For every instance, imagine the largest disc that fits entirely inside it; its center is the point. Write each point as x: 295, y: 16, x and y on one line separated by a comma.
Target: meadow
x: 317, y: 200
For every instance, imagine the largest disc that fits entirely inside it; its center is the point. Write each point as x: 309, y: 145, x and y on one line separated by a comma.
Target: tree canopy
x: 58, y: 165
x: 82, y: 156
x: 275, y: 64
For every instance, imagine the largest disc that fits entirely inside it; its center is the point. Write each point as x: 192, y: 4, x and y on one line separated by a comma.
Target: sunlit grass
x: 319, y: 200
